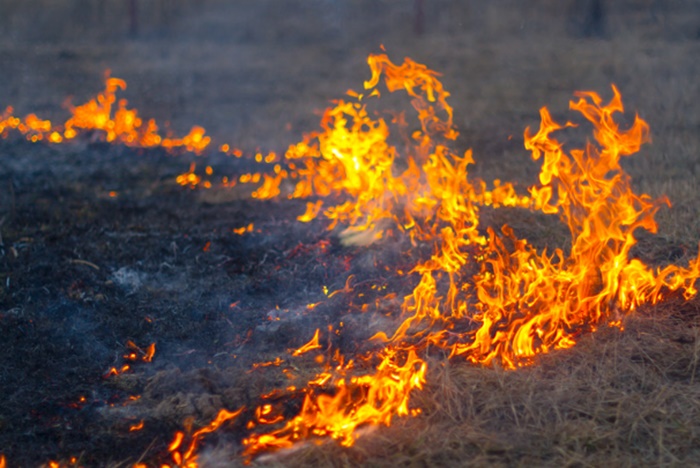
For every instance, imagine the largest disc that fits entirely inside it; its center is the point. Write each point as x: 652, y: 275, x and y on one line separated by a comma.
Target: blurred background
x: 256, y: 73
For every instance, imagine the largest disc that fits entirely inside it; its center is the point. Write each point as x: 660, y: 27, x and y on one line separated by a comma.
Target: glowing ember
x: 135, y: 354
x: 242, y: 230
x: 114, y: 371
x: 311, y: 345
x: 138, y: 354
x: 136, y: 427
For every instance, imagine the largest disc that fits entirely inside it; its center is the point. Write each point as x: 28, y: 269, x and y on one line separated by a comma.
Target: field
x: 99, y: 246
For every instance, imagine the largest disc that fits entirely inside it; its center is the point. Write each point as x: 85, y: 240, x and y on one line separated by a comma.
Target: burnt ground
x: 83, y: 272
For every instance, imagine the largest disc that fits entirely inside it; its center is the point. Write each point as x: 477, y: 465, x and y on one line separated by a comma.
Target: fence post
x: 133, y: 18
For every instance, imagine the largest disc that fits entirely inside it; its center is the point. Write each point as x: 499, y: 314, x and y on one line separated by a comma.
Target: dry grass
x: 253, y: 73
x: 617, y: 399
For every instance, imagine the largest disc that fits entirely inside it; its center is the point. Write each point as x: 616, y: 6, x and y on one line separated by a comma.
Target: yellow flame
x: 484, y: 295
x: 515, y: 301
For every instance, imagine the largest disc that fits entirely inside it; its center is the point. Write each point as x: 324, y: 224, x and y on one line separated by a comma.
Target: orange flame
x: 312, y: 211
x: 514, y: 301
x: 134, y: 354
x: 111, y: 119
x: 140, y: 354
x: 242, y: 230
x: 188, y: 458
x: 484, y: 295
x: 356, y: 401
x: 114, y: 371
x: 136, y: 427
x: 311, y: 345
x: 277, y: 362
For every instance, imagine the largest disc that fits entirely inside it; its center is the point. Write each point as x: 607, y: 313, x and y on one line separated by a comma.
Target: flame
x: 277, y: 362
x: 529, y: 302
x: 113, y: 371
x: 136, y: 427
x: 134, y: 354
x: 189, y: 178
x: 140, y: 354
x: 110, y: 119
x: 312, y: 211
x: 72, y: 461
x: 484, y: 295
x: 242, y: 230
x: 311, y: 345
x: 514, y: 301
x: 188, y: 458
x: 356, y: 401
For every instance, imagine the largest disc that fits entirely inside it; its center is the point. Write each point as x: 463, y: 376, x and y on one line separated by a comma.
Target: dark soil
x: 83, y: 273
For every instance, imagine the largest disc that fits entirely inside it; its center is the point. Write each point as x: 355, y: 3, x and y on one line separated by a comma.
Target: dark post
x: 419, y: 18
x: 133, y: 18
x: 594, y: 25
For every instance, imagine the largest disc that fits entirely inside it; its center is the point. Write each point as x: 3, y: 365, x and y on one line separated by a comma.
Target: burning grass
x: 345, y: 314
x: 627, y: 398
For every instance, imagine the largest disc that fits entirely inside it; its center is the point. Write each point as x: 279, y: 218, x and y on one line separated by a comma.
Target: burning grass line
x: 557, y: 166
x: 483, y: 295
x: 114, y: 121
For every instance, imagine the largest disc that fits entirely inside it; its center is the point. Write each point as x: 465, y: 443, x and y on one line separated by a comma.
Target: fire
x: 140, y: 354
x: 312, y: 211
x: 114, y: 371
x: 311, y: 345
x: 512, y: 301
x: 136, y: 427
x: 190, y: 178
x: 188, y: 458
x: 110, y: 119
x: 358, y: 400
x: 484, y: 295
x: 135, y: 354
x: 277, y: 362
x: 530, y: 302
x: 245, y: 229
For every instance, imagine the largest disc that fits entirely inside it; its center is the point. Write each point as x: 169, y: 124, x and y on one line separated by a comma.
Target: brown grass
x: 617, y: 399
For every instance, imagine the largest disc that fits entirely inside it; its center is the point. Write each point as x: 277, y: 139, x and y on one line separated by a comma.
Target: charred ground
x: 102, y: 247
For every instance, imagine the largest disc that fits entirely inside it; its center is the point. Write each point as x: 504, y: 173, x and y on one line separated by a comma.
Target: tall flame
x: 484, y: 295
x: 526, y: 302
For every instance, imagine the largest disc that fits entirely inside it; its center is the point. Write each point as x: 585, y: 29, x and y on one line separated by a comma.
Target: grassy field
x: 256, y: 74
